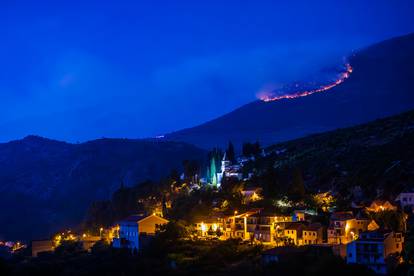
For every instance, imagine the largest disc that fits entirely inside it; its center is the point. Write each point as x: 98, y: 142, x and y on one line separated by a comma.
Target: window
x: 397, y: 245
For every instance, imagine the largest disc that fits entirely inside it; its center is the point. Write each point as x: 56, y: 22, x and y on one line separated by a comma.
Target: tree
x: 231, y: 156
x: 213, y: 172
x: 250, y: 149
x: 167, y: 237
x: 69, y: 248
x: 392, y: 220
x: 99, y: 214
x: 247, y: 149
x: 174, y: 176
x: 191, y: 167
x: 297, y: 187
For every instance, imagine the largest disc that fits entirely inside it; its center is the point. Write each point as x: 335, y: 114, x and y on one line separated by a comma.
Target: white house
x: 135, y: 226
x: 406, y: 199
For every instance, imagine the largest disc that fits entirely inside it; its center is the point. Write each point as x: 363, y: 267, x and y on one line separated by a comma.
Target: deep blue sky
x: 79, y: 70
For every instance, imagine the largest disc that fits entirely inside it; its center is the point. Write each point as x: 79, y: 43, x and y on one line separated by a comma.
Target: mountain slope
x: 380, y: 85
x: 46, y: 184
x: 377, y: 156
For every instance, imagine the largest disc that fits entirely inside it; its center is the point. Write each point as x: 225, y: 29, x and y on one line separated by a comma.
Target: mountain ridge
x: 370, y: 92
x: 55, y: 181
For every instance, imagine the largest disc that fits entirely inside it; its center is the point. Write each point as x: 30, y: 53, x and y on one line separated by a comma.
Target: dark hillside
x: 378, y: 157
x: 45, y: 184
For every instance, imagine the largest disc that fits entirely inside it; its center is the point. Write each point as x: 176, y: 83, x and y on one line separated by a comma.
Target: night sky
x: 79, y: 70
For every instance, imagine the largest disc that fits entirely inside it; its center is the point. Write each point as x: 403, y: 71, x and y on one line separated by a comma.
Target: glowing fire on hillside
x: 269, y: 96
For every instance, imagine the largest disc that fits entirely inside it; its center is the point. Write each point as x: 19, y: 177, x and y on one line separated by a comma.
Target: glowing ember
x: 269, y: 97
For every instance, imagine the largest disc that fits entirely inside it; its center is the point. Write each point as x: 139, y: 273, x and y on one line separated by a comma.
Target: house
x: 267, y: 226
x: 340, y: 228
x: 312, y: 234
x: 362, y: 224
x: 373, y: 249
x: 236, y: 226
x: 406, y: 200
x: 298, y: 215
x: 344, y: 227
x: 381, y: 205
x: 293, y: 232
x: 210, y: 227
x: 262, y: 226
x: 133, y: 228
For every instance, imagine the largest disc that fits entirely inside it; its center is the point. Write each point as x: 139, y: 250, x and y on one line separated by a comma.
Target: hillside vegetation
x: 47, y: 185
x: 373, y: 159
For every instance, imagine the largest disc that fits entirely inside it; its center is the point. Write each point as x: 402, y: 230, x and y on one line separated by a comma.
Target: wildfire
x: 268, y: 97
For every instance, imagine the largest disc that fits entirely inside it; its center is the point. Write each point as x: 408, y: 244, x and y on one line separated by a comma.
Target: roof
x: 313, y: 227
x: 294, y: 226
x: 270, y: 214
x: 211, y: 219
x: 342, y: 215
x: 133, y: 218
x: 381, y: 202
x: 250, y: 212
x: 377, y: 235
x: 362, y: 216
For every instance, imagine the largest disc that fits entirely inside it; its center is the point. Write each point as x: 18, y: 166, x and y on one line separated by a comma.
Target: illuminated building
x: 381, y: 205
x: 406, y: 200
x: 236, y: 226
x: 372, y: 249
x: 210, y: 227
x: 344, y: 227
x: 215, y: 177
x: 312, y: 234
x: 293, y: 232
x: 267, y: 228
x: 133, y: 227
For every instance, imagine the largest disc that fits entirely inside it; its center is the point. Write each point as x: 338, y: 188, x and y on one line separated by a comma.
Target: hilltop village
x: 233, y: 206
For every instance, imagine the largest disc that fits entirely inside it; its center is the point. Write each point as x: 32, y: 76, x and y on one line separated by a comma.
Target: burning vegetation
x: 300, y: 90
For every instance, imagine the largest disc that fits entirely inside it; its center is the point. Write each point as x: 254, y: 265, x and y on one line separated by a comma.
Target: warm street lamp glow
x: 203, y: 227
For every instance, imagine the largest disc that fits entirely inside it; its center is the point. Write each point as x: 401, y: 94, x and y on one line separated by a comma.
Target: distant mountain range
x: 381, y: 85
x: 46, y: 185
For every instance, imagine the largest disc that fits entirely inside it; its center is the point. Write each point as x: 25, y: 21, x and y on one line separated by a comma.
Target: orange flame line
x: 341, y: 79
